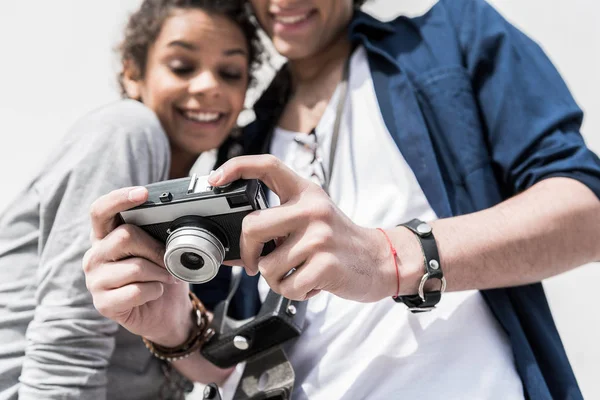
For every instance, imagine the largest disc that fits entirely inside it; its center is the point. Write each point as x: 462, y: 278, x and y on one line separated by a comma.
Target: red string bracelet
x: 394, y: 255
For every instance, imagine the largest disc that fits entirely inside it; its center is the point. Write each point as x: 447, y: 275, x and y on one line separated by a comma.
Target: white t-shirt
x: 351, y: 350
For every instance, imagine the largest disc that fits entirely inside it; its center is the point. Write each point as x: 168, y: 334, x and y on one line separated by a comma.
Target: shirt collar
x: 365, y: 23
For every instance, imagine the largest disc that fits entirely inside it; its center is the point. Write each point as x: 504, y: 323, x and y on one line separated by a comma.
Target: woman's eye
x: 181, y: 69
x: 231, y: 74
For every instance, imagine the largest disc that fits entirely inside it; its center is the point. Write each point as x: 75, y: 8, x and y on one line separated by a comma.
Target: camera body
x: 199, y: 224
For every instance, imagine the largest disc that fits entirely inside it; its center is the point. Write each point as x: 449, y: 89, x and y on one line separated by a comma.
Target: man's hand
x: 327, y: 250
x: 127, y: 278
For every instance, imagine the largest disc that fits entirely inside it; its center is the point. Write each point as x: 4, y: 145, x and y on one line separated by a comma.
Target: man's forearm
x: 550, y: 228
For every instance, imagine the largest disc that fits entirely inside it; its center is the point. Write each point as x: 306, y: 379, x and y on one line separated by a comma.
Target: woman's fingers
x: 116, y: 304
x: 124, y: 242
x: 132, y: 270
x: 105, y: 210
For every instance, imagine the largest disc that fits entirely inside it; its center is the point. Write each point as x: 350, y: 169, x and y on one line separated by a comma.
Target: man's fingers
x: 273, y: 223
x: 291, y: 254
x: 104, y: 211
x: 250, y: 251
x: 300, y: 285
x: 261, y: 227
x: 234, y: 263
x: 267, y: 168
x: 127, y: 241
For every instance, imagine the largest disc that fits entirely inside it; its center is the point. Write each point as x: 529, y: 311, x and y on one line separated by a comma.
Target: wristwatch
x: 425, y: 301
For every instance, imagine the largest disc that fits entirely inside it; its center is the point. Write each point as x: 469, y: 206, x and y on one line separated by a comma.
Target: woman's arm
x: 70, y: 344
x: 128, y: 280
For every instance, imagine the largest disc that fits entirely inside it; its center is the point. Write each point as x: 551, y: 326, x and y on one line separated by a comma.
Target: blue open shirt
x: 480, y: 114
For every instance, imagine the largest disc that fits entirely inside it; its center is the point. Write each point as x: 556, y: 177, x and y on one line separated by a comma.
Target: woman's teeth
x: 202, y: 116
x: 291, y: 19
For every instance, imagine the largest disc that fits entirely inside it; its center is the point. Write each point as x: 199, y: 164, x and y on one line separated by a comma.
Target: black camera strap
x: 267, y: 375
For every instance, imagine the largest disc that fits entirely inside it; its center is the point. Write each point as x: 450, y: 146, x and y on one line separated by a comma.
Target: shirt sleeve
x: 69, y: 344
x: 532, y: 121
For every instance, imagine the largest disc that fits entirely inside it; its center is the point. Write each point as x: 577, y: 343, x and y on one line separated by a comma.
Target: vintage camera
x: 199, y: 224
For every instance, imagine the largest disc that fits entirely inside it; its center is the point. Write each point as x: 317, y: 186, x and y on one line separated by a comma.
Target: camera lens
x: 193, y: 254
x: 192, y: 261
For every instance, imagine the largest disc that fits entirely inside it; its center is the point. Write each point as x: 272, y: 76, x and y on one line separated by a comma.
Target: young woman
x: 186, y: 68
x: 454, y: 118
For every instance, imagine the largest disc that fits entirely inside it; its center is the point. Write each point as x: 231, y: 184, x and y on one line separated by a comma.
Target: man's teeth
x: 291, y: 19
x: 202, y: 116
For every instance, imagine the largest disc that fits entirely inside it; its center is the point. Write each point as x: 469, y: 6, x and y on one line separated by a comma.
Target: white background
x: 57, y: 62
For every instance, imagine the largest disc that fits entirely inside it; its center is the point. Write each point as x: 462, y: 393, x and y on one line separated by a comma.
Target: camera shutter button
x: 221, y: 188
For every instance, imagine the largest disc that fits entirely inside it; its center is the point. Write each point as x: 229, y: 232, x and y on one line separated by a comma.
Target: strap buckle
x: 424, y: 279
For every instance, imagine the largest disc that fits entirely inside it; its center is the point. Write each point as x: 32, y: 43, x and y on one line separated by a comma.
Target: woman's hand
x: 127, y: 278
x: 328, y: 251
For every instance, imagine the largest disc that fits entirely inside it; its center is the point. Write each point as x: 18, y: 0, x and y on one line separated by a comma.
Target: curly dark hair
x: 145, y: 24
